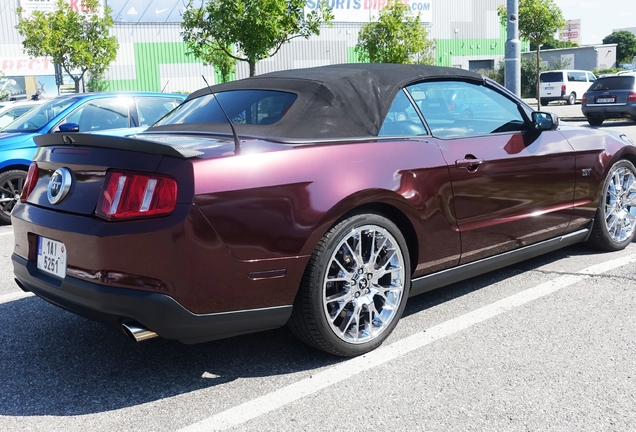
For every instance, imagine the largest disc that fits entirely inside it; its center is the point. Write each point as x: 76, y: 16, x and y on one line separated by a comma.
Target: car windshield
x: 255, y: 107
x: 34, y: 120
x: 613, y: 83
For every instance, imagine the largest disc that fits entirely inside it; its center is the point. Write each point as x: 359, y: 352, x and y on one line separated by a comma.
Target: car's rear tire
x: 11, y: 184
x: 595, y: 120
x: 544, y: 102
x: 571, y: 99
x: 615, y: 220
x: 355, y: 287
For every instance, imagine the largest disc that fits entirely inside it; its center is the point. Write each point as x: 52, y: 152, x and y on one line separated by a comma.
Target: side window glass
x: 461, y: 109
x: 101, y: 114
x: 402, y: 119
x: 579, y: 76
x: 151, y: 109
x: 590, y: 76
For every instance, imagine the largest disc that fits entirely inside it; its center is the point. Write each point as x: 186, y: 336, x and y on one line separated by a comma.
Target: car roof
x: 333, y: 101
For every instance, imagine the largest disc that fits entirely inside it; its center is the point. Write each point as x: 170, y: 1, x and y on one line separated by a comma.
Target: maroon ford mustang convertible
x: 318, y: 198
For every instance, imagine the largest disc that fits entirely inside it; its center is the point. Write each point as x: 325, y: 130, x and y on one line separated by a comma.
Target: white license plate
x: 605, y: 100
x: 549, y: 88
x: 52, y: 257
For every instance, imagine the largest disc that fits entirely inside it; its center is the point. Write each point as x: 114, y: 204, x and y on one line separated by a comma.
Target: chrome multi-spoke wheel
x: 615, y: 223
x: 620, y: 204
x: 11, y: 183
x: 355, y: 287
x: 364, y: 284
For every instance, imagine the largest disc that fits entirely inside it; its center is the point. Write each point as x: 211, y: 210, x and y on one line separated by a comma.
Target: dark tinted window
x: 255, y: 107
x: 613, y: 83
x: 551, y: 77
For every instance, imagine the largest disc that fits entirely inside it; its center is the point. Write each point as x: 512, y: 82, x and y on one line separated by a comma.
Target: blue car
x: 90, y: 112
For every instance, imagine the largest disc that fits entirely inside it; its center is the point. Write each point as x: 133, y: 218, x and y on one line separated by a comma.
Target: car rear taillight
x: 584, y: 99
x: 563, y: 90
x: 29, y: 183
x: 631, y: 97
x: 127, y: 195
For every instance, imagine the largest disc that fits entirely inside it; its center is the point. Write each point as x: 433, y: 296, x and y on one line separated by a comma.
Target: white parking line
x: 6, y: 298
x: 347, y: 369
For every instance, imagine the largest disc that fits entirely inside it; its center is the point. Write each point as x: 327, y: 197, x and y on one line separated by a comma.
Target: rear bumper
x: 158, y: 312
x: 609, y: 111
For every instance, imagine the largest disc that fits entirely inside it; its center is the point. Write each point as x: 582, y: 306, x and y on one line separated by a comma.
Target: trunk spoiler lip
x: 121, y: 143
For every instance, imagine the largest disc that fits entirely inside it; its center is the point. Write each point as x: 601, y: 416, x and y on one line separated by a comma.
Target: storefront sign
x: 30, y: 6
x: 11, y: 66
x: 367, y: 10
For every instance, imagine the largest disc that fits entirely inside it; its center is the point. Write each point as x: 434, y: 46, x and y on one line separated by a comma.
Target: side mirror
x: 544, y: 121
x: 68, y: 127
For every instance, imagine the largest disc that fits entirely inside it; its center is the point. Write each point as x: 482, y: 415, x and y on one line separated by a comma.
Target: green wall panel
x: 148, y: 57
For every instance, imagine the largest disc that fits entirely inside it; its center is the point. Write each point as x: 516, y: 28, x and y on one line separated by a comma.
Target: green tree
x: 626, y: 45
x: 77, y: 41
x: 256, y: 28
x: 396, y: 37
x: 212, y: 53
x: 539, y: 20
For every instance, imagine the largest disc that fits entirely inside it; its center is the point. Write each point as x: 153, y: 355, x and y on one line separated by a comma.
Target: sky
x: 599, y: 17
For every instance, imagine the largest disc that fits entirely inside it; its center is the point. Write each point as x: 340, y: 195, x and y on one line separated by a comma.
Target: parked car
x: 11, y: 111
x: 88, y: 112
x: 610, y: 97
x: 306, y: 197
x: 563, y: 85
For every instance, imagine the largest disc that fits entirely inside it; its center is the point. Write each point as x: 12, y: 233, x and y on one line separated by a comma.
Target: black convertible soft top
x: 335, y: 101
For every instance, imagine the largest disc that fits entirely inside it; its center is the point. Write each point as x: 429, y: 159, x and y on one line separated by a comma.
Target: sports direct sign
x: 16, y: 66
x: 30, y: 6
x: 367, y: 10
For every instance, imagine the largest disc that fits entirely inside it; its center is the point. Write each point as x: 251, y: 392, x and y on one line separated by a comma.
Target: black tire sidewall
x: 332, y: 238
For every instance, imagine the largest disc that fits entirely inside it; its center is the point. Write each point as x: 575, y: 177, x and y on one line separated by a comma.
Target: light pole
x: 513, y: 49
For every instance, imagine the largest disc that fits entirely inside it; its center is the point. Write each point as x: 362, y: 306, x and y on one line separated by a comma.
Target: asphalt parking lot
x: 547, y: 344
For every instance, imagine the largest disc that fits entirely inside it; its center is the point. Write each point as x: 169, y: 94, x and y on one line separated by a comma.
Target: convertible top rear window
x: 252, y: 107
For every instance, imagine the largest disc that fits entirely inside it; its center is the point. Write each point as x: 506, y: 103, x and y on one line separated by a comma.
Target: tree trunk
x: 77, y: 84
x: 252, y: 67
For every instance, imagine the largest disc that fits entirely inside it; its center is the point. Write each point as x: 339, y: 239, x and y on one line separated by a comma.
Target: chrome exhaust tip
x: 137, y: 332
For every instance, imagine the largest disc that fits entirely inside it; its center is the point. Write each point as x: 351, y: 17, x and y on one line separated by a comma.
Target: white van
x: 567, y: 85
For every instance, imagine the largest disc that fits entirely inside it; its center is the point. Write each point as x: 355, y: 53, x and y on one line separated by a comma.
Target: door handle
x: 470, y: 164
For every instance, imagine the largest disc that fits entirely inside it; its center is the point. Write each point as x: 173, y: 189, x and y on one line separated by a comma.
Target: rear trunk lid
x: 89, y: 158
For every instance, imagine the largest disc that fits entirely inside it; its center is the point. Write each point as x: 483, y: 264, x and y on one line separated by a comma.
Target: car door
x: 512, y: 185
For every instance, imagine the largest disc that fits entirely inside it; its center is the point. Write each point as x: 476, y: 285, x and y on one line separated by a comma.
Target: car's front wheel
x: 11, y: 184
x: 355, y: 287
x: 615, y: 220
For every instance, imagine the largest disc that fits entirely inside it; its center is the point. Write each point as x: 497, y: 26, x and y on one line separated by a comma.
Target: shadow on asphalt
x: 58, y: 364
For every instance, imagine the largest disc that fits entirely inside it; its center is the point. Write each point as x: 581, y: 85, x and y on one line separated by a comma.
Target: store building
x: 153, y: 57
